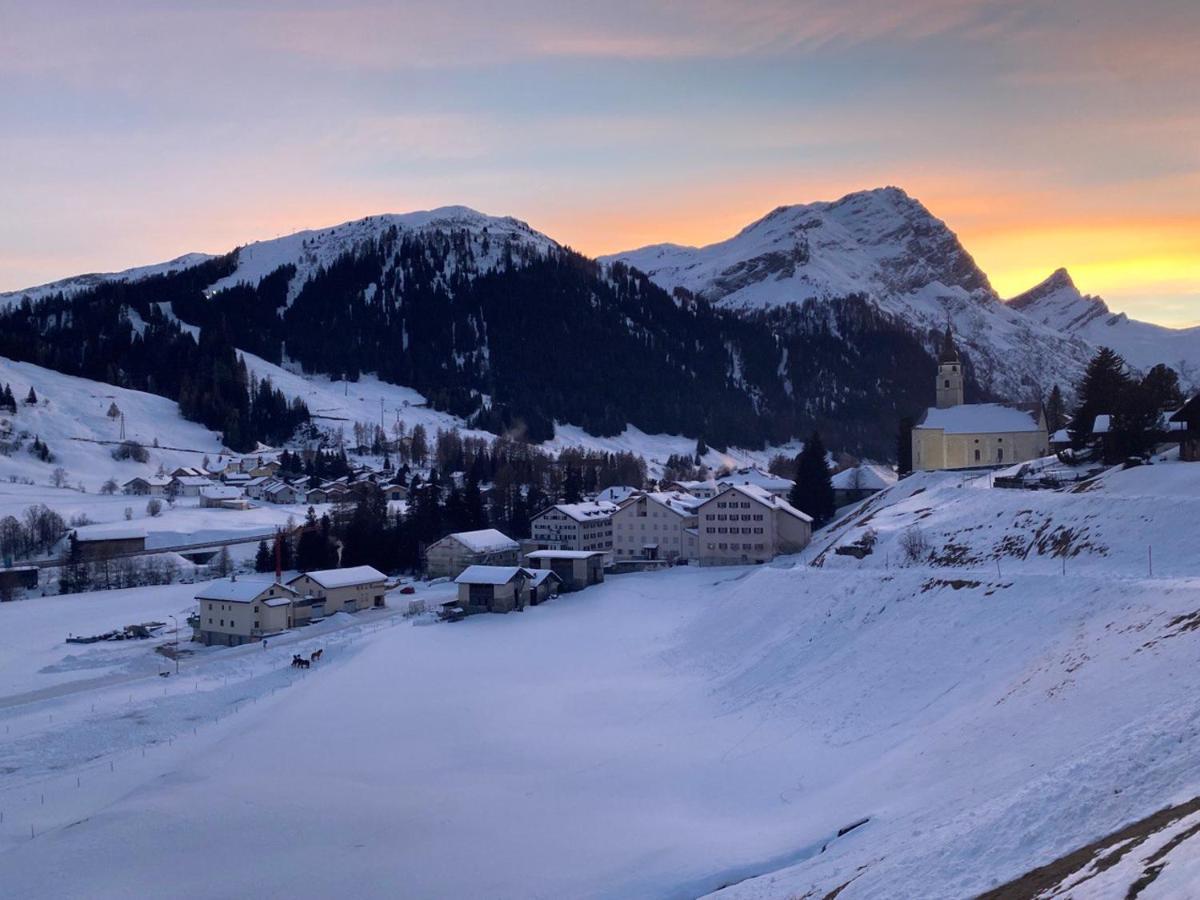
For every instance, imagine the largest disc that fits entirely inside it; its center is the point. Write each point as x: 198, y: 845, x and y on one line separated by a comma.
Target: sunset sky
x: 1046, y: 134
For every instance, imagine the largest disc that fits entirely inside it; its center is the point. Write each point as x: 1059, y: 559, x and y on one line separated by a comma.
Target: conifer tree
x: 813, y: 491
x: 1103, y: 383
x: 1056, y: 410
x: 31, y: 398
x: 263, y: 561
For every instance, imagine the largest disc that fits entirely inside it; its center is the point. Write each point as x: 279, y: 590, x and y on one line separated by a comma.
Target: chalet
x: 1189, y: 437
x: 455, y: 552
x: 254, y: 487
x: 187, y: 485
x: 269, y: 469
x: 748, y: 524
x: 191, y: 471
x: 395, y: 492
x: 657, y: 525
x: 241, y: 479
x: 958, y: 435
x: 576, y: 569
x: 217, y: 496
x: 315, y: 496
x: 234, y: 612
x: 575, y: 526
x: 497, y: 589
x: 281, y: 492
x: 775, y: 484
x: 860, y: 482
x: 341, y: 590
x: 146, y: 487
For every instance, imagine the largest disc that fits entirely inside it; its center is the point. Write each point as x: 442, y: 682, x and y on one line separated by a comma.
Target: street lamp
x: 176, y: 621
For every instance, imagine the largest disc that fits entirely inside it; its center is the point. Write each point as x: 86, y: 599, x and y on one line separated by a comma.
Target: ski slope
x: 671, y: 734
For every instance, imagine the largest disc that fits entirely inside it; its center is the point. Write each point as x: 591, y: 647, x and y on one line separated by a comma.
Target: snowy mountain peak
x: 879, y: 242
x: 1057, y: 303
x: 310, y: 250
x: 77, y: 283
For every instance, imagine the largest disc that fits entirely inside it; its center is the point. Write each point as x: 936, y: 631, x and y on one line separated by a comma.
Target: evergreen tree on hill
x: 813, y: 491
x: 1100, y: 391
x: 1056, y: 410
x: 263, y: 561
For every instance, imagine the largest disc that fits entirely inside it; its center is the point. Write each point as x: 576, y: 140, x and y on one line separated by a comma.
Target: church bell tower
x: 950, y: 375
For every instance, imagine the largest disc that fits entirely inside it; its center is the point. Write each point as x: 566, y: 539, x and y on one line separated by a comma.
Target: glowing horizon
x: 1046, y: 138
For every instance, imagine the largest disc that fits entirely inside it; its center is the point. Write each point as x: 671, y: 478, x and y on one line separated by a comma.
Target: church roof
x: 982, y: 418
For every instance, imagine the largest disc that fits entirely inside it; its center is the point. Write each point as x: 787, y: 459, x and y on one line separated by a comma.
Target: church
x: 958, y: 435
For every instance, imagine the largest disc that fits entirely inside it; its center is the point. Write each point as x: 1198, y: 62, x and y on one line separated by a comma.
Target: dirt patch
x: 1105, y: 853
x: 955, y: 583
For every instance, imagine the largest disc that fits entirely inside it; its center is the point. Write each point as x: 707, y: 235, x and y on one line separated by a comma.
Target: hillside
x: 664, y: 734
x: 490, y: 322
x: 72, y: 418
x: 1058, y: 303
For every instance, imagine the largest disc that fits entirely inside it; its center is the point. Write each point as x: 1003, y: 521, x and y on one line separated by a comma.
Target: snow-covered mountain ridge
x: 1059, y: 304
x: 886, y: 246
x: 309, y: 250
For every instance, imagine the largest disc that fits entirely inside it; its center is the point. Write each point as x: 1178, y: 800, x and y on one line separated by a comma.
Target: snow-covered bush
x: 914, y: 544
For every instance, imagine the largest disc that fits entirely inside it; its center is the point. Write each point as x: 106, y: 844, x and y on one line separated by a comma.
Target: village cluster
x: 742, y: 516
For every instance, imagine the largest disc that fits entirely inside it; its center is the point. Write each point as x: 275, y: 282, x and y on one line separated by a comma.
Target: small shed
x: 543, y: 584
x: 576, y: 569
x: 497, y: 589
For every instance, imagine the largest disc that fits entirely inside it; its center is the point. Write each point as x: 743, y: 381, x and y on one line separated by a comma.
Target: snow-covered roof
x: 1103, y: 424
x: 192, y: 480
x: 1062, y: 436
x: 564, y: 554
x: 706, y: 485
x: 588, y: 510
x: 339, y: 578
x: 763, y: 496
x: 153, y: 480
x: 491, y: 574
x: 678, y: 502
x: 756, y: 476
x: 220, y: 492
x: 617, y: 493
x: 486, y: 540
x: 229, y: 590
x: 868, y: 477
x: 979, y: 418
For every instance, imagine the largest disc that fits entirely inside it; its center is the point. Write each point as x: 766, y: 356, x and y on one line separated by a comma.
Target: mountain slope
x: 887, y: 247
x: 496, y: 324
x: 1058, y: 304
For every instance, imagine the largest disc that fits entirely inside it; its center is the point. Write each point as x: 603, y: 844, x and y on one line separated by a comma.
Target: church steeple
x: 950, y: 377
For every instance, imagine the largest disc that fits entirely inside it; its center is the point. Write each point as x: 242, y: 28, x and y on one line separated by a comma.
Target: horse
x: 317, y: 654
x: 299, y: 662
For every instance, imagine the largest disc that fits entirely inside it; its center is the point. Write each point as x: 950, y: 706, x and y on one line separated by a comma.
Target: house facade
x: 745, y: 524
x: 448, y: 557
x: 233, y: 612
x: 575, y: 526
x: 341, y: 590
x: 146, y: 487
x: 958, y: 435
x: 658, y: 525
